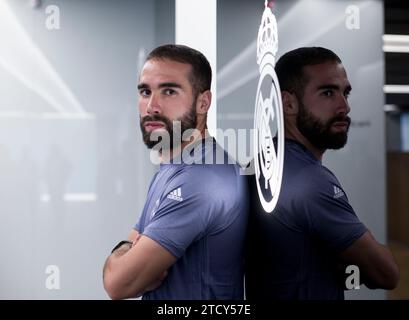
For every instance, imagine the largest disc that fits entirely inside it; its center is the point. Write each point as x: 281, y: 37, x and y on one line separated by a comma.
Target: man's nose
x: 153, y: 105
x: 343, y: 105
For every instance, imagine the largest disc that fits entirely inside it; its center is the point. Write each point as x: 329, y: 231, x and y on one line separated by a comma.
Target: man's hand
x: 124, y: 248
x: 138, y: 236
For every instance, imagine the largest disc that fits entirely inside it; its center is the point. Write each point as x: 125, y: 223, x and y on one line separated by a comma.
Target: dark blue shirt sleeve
x: 330, y: 217
x: 185, y: 213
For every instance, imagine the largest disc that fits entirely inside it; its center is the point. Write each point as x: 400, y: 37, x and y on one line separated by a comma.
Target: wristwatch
x: 120, y: 244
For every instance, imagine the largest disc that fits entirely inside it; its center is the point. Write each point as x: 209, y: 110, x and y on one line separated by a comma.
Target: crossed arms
x: 132, y: 270
x: 375, y: 262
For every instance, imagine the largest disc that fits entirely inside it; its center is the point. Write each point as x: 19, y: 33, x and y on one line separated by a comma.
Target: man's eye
x: 328, y: 93
x: 169, y: 92
x: 144, y: 92
x: 347, y: 94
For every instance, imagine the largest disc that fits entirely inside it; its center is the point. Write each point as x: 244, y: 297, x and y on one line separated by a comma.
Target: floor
x: 401, y: 254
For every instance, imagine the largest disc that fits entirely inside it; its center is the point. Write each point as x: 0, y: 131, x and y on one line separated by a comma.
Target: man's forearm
x: 111, y: 267
x: 115, y: 255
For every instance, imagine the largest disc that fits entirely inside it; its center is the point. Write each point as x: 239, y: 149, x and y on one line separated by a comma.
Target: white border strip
x: 196, y: 27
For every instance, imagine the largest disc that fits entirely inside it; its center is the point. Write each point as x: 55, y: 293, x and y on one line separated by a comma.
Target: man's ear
x: 203, y: 102
x: 290, y: 103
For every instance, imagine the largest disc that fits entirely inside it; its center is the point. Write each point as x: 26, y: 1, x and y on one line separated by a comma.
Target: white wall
x: 96, y: 160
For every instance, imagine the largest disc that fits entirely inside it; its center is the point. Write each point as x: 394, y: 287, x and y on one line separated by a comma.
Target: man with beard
x: 301, y: 250
x: 188, y: 243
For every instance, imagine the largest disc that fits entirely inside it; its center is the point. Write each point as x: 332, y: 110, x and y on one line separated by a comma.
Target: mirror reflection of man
x: 302, y: 249
x: 188, y: 243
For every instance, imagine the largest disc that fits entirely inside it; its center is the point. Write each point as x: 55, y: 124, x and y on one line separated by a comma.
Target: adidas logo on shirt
x: 338, y: 193
x: 176, y: 195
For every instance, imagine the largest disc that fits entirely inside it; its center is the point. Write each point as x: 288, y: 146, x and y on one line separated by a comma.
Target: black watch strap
x: 120, y: 244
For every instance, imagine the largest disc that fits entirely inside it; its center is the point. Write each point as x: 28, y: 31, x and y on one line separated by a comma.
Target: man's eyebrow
x: 170, y: 85
x: 142, y: 86
x: 328, y: 87
x: 161, y: 85
x: 348, y: 88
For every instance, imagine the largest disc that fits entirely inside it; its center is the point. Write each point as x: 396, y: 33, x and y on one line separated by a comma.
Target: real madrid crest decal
x: 268, y: 116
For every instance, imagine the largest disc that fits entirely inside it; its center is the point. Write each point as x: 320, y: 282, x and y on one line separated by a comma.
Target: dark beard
x: 186, y: 122
x: 318, y: 133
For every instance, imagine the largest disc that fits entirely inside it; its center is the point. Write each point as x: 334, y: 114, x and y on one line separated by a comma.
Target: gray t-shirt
x: 198, y: 212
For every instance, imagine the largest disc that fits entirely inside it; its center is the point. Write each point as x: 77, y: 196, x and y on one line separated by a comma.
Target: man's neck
x: 296, y: 135
x: 166, y: 157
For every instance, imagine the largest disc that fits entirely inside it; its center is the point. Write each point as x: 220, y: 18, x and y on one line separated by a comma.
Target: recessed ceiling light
x: 396, y: 88
x: 396, y: 43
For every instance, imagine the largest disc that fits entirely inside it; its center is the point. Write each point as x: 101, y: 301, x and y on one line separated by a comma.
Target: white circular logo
x: 268, y: 118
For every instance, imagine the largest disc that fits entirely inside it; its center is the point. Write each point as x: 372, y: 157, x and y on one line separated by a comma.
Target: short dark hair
x: 201, y: 74
x: 289, y: 67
